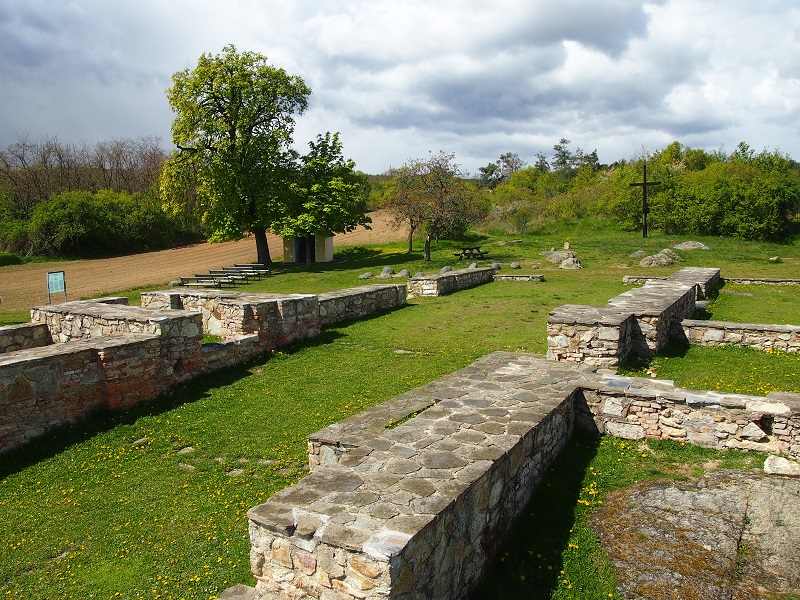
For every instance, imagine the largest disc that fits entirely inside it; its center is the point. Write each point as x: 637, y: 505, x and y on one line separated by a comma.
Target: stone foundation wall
x: 447, y: 283
x: 85, y: 319
x: 99, y: 362
x: 23, y: 337
x: 785, y: 338
x: 356, y: 303
x: 635, y: 408
x: 46, y: 387
x: 638, y: 322
x: 419, y: 510
x: 277, y: 319
x: 596, y: 336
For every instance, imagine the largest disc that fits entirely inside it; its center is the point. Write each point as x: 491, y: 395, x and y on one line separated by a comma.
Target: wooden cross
x: 645, y: 209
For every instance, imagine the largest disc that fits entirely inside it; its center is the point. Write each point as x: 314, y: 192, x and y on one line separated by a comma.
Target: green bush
x: 6, y: 258
x: 101, y: 224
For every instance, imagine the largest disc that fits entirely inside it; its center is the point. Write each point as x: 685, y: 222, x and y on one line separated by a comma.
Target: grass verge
x: 151, y: 503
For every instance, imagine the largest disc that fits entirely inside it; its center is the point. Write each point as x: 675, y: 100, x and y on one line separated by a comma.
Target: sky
x: 401, y: 78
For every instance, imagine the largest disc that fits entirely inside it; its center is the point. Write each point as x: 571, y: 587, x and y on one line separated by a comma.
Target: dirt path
x: 23, y: 286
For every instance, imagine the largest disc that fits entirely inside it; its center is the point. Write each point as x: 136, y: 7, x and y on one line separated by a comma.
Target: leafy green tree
x: 328, y: 195
x: 433, y: 194
x: 500, y: 170
x: 233, y: 130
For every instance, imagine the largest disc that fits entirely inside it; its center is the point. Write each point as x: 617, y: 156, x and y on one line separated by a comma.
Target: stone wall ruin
x: 80, y: 357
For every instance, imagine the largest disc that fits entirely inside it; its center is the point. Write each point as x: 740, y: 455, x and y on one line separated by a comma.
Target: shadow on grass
x: 531, y: 561
x: 103, y: 419
x: 636, y: 365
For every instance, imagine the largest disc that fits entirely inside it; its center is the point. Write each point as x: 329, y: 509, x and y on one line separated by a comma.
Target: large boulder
x: 558, y: 256
x: 656, y: 260
x: 691, y: 246
x: 570, y: 263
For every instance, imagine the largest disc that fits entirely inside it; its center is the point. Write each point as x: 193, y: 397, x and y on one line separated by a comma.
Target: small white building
x: 294, y: 249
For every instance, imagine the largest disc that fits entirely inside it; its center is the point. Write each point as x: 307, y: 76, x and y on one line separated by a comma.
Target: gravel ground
x: 23, y: 286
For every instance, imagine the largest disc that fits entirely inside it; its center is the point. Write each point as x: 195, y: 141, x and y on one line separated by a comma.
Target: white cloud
x: 400, y: 78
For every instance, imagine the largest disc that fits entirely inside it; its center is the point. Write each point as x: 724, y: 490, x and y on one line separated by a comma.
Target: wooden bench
x: 233, y: 276
x: 258, y: 267
x: 205, y: 280
x: 198, y: 281
x: 250, y: 273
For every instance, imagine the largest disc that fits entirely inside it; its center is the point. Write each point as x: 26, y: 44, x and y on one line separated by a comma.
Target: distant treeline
x: 743, y: 194
x: 62, y: 199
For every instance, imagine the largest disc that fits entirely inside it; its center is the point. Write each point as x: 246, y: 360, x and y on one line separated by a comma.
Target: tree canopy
x: 434, y: 194
x: 328, y: 195
x: 234, y: 165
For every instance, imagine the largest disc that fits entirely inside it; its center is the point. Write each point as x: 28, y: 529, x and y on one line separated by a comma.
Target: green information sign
x: 56, y: 284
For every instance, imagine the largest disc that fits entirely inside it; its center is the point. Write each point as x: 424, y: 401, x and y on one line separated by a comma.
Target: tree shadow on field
x: 530, y: 563
x: 356, y: 257
x: 103, y: 419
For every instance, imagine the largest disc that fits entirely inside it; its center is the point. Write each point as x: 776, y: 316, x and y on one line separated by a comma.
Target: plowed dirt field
x: 23, y: 286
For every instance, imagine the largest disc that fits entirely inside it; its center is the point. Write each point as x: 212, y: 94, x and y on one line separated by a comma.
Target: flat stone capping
x: 785, y: 338
x: 707, y: 279
x: 640, y: 321
x: 447, y: 283
x: 417, y: 511
x: 24, y: 336
x: 762, y: 280
x: 537, y: 278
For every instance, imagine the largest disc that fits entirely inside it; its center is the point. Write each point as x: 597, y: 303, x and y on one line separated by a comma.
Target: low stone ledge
x: 358, y: 302
x: 764, y: 337
x: 417, y: 511
x: 24, y: 336
x: 535, y: 278
x: 447, y: 283
x: 761, y: 280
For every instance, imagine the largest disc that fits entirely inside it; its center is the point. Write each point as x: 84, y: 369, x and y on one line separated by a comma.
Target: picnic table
x: 471, y: 252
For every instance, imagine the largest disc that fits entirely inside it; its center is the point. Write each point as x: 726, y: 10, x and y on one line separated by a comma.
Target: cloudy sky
x: 399, y: 78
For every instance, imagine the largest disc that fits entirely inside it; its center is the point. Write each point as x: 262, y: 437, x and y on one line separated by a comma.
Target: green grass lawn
x: 151, y: 503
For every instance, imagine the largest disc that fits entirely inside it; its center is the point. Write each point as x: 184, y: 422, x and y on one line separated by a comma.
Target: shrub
x: 6, y: 258
x: 105, y: 223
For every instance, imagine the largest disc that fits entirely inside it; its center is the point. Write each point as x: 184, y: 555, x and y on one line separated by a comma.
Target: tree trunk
x: 427, y: 255
x: 308, y: 249
x: 410, y: 240
x: 262, y: 247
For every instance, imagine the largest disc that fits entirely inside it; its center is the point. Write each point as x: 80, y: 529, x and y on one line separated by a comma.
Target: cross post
x: 645, y: 209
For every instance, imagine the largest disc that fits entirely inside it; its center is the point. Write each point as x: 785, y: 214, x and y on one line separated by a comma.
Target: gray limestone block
x: 366, y: 275
x: 656, y: 260
x: 446, y: 269
x: 570, y: 263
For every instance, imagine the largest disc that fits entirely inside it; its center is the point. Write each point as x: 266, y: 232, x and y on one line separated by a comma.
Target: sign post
x: 645, y: 209
x: 56, y: 284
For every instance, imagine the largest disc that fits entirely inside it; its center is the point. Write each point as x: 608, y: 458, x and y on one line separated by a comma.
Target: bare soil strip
x: 23, y: 286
